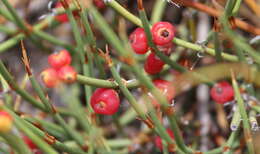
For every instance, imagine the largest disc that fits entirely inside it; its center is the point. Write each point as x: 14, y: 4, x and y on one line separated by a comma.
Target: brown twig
x: 26, y: 60
x: 213, y: 12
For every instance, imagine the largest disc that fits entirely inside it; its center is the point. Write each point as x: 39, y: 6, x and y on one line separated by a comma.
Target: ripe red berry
x: 99, y: 4
x: 105, y: 101
x: 166, y: 49
x: 153, y: 64
x: 163, y: 33
x: 29, y: 143
x: 59, y: 59
x: 166, y: 88
x: 50, y: 77
x: 138, y: 41
x: 63, y: 18
x: 6, y: 122
x: 67, y: 74
x: 222, y: 92
x: 158, y: 140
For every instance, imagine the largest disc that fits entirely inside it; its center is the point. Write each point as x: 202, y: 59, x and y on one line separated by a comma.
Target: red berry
x: 63, y: 18
x: 6, y: 122
x: 166, y: 88
x: 153, y: 64
x: 105, y: 101
x: 158, y: 140
x: 163, y: 33
x: 67, y: 74
x: 29, y: 143
x: 50, y: 77
x: 59, y: 59
x: 166, y: 49
x: 99, y: 4
x: 222, y: 92
x: 138, y: 41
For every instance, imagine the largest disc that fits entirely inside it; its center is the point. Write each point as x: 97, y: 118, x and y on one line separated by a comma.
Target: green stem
x: 158, y: 11
x: 242, y: 110
x: 127, y: 93
x: 105, y: 83
x: 75, y: 135
x: 217, y: 47
x: 87, y: 67
x: 16, y: 143
x: 7, y: 76
x: 121, y: 10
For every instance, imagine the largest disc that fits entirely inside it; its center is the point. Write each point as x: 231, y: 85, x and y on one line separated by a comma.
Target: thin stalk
x: 239, y: 41
x: 20, y: 23
x: 127, y: 93
x: 236, y: 7
x: 7, y: 76
x: 86, y: 67
x: 217, y: 47
x: 51, y: 128
x: 15, y: 16
x: 73, y: 134
x: 158, y: 11
x: 229, y: 7
x: 6, y: 30
x: 105, y: 83
x: 92, y: 41
x: 242, y: 110
x: 16, y: 143
x: 121, y: 10
x: 236, y: 120
x: 57, y: 144
x: 127, y: 117
x: 35, y: 138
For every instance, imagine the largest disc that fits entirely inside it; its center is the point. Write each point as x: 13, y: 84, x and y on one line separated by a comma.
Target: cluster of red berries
x: 105, y: 101
x: 63, y: 18
x: 162, y: 34
x: 222, y: 92
x: 60, y: 69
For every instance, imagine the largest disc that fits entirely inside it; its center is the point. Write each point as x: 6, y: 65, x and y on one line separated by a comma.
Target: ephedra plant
x: 130, y: 77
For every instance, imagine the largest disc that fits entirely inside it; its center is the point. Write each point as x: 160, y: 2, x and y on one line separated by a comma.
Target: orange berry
x: 50, y: 77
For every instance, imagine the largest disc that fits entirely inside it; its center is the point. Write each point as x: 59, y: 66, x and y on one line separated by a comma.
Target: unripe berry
x: 166, y: 88
x: 138, y: 41
x: 63, y: 18
x: 67, y: 74
x: 59, y: 59
x: 105, y: 101
x: 158, y: 140
x: 222, y: 92
x: 99, y: 4
x: 6, y: 122
x: 153, y: 64
x: 163, y: 33
x: 50, y: 77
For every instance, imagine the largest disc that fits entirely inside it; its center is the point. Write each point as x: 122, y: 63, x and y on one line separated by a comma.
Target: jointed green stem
x: 16, y: 143
x: 242, y: 110
x: 127, y: 93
